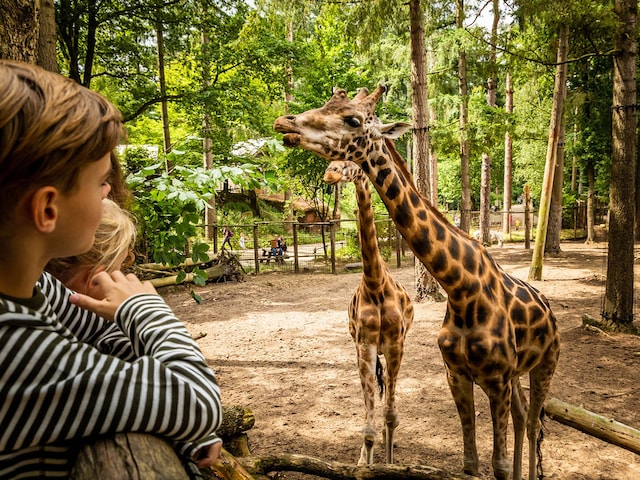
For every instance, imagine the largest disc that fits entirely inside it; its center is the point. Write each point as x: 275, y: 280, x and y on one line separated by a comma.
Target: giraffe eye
x: 353, y: 122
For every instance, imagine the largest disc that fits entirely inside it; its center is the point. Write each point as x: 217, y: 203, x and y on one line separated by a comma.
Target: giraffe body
x: 496, y: 327
x: 380, y: 314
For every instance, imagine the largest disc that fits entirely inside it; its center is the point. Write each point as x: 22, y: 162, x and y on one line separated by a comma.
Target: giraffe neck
x: 372, y: 262
x: 448, y: 253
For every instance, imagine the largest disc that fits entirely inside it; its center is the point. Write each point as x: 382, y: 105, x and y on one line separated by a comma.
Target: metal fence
x: 322, y: 247
x: 327, y: 247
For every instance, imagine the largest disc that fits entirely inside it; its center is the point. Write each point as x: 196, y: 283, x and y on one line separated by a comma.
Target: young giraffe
x: 496, y: 327
x: 380, y: 314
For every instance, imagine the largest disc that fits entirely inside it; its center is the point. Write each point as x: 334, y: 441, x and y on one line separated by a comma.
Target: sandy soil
x: 279, y: 344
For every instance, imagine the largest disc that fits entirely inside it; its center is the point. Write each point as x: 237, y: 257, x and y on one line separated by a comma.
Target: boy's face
x: 81, y: 209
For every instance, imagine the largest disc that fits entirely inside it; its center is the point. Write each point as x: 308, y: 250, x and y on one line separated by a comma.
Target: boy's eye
x: 353, y: 122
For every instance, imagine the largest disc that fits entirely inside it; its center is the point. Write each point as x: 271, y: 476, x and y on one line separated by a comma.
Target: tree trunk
x: 163, y: 93
x: 288, y: 194
x: 508, y: 161
x: 485, y: 199
x: 207, y: 142
x: 535, y: 272
x: 20, y: 31
x: 554, y: 229
x: 591, y: 230
x: 487, y: 159
x: 47, y: 37
x: 618, y: 302
x: 426, y: 285
x: 465, y: 204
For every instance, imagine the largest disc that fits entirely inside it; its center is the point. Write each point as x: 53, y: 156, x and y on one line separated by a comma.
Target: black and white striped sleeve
x: 55, y: 388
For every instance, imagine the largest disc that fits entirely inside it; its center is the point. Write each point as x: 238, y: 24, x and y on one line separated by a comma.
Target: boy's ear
x: 44, y: 208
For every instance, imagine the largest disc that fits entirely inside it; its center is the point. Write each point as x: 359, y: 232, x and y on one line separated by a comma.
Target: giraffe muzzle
x: 291, y: 140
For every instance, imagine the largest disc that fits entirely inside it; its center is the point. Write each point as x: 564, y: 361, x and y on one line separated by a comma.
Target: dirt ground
x: 279, y: 344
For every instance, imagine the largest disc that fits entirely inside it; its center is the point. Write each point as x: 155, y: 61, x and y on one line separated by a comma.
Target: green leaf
x: 196, y: 297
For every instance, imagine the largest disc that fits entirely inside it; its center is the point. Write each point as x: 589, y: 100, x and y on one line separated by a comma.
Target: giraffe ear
x: 395, y: 130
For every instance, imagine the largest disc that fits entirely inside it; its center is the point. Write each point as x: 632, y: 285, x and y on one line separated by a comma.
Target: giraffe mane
x: 401, y: 164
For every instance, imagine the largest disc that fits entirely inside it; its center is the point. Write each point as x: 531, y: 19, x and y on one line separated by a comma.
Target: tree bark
x: 535, y: 272
x: 618, y: 302
x: 47, y: 37
x: 20, y: 30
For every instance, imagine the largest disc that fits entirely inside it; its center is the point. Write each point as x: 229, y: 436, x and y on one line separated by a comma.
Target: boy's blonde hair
x: 114, y: 238
x: 50, y: 128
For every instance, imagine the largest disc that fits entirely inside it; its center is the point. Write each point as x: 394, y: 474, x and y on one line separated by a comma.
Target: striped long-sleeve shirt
x: 66, y: 374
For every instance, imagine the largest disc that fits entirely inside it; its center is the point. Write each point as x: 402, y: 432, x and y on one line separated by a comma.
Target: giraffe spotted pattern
x: 380, y: 314
x: 496, y: 328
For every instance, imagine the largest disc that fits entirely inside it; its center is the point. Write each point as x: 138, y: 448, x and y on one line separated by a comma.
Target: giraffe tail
x: 380, y: 376
x: 539, y: 470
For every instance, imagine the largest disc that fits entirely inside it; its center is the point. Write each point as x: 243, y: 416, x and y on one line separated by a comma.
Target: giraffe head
x: 342, y: 129
x: 344, y: 171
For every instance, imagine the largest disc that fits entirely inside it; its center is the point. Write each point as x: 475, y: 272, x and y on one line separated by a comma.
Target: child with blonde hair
x: 75, y: 366
x: 113, y: 243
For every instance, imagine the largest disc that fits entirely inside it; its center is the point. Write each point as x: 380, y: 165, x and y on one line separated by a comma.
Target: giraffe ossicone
x: 496, y: 327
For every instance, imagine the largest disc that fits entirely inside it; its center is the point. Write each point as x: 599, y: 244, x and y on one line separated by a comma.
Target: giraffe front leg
x: 367, y: 358
x: 519, y: 407
x: 500, y: 403
x: 462, y: 391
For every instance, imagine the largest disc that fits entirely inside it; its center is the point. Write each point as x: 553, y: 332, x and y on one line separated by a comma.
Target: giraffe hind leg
x: 519, y: 407
x: 390, y: 411
x: 540, y: 382
x: 462, y: 392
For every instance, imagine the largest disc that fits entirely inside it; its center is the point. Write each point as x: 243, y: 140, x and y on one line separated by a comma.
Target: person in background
x: 226, y: 237
x: 242, y: 242
x: 80, y: 366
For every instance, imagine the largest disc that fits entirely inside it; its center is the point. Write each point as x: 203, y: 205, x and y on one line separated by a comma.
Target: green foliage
x: 170, y: 206
x: 229, y: 65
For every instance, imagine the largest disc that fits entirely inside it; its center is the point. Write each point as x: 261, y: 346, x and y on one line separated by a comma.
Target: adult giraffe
x: 380, y: 314
x: 496, y: 327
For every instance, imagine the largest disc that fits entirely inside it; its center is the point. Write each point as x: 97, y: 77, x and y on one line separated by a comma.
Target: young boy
x: 61, y: 378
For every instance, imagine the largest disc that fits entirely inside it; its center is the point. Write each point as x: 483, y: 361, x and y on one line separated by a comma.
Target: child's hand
x: 207, y: 456
x: 106, y: 292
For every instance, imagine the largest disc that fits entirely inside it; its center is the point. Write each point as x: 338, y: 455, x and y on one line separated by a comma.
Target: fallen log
x: 227, y: 468
x: 261, y: 465
x: 131, y: 456
x: 593, y: 424
x: 139, y: 456
x: 213, y: 273
x: 186, y: 264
